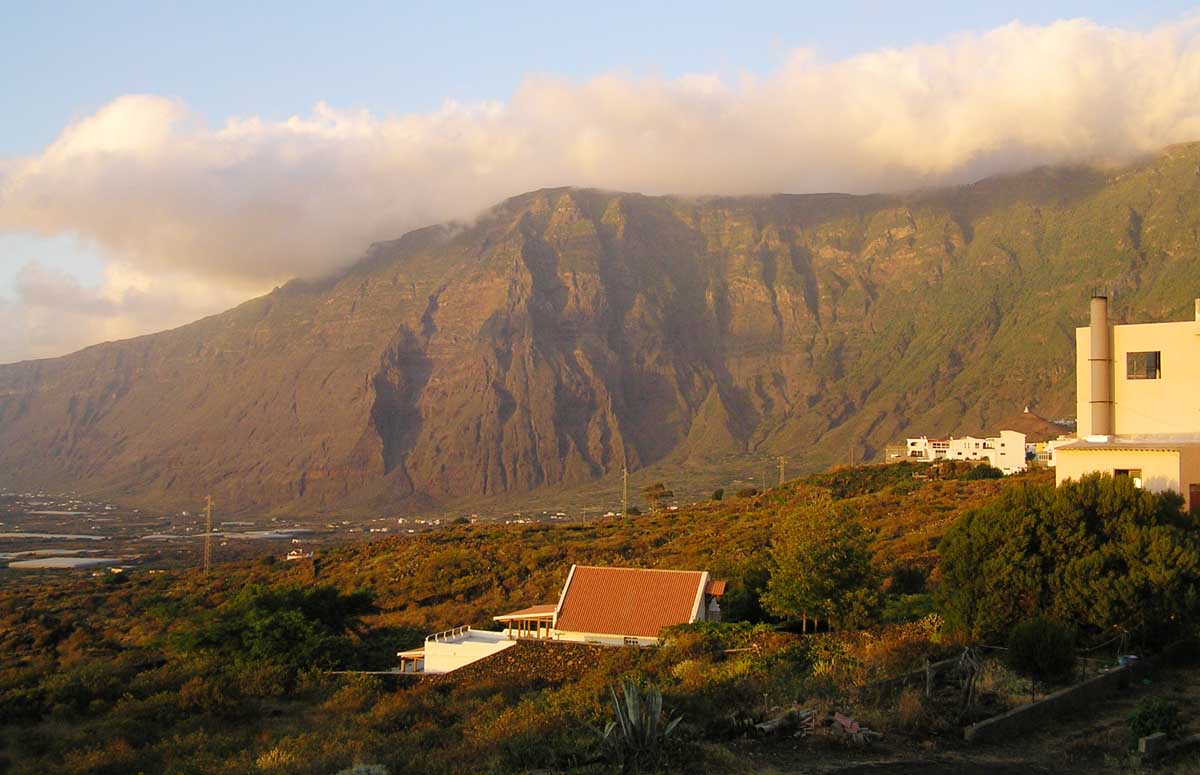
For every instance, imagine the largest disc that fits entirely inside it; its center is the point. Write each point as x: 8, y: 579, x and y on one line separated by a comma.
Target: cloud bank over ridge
x: 233, y: 209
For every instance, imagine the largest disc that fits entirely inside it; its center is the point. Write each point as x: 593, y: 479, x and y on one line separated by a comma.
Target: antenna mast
x: 208, y: 534
x: 624, y: 490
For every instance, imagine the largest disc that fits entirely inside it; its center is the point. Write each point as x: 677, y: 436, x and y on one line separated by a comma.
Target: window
x: 632, y: 641
x: 1133, y: 473
x: 1146, y: 365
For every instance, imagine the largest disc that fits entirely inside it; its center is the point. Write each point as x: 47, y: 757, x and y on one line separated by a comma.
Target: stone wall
x: 1052, y: 707
x: 554, y: 661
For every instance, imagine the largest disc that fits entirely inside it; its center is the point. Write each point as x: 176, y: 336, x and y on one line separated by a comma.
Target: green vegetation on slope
x: 179, y: 673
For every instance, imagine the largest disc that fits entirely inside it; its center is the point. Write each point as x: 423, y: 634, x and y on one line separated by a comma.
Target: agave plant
x: 634, y: 741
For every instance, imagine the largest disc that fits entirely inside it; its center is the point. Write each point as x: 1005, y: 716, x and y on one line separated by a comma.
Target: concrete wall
x: 1167, y: 405
x: 1160, y: 469
x: 1049, y: 711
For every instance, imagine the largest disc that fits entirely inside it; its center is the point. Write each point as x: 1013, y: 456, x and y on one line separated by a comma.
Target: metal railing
x: 448, y: 635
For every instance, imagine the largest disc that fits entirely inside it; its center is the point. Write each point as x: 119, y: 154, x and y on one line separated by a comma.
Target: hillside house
x: 600, y: 605
x: 1137, y: 402
x: 1006, y: 451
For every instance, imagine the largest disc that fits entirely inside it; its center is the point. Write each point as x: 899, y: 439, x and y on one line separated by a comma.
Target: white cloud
x: 253, y: 202
x: 53, y: 313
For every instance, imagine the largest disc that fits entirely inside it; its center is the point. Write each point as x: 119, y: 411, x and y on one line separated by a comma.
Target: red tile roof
x: 716, y: 588
x: 627, y: 601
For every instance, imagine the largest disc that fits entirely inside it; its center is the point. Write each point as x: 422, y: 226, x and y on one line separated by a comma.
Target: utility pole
x: 208, y: 535
x: 624, y: 490
x: 782, y: 462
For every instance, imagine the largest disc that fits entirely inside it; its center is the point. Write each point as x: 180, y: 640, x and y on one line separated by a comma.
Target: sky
x: 161, y: 162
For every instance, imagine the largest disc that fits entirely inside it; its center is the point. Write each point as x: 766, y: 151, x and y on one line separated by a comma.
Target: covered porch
x: 533, y: 622
x: 412, y: 661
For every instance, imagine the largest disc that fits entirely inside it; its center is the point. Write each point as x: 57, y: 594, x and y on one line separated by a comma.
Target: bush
x: 718, y: 493
x: 1099, y: 552
x: 1153, y: 714
x: 983, y: 471
x: 747, y: 492
x: 1041, y: 649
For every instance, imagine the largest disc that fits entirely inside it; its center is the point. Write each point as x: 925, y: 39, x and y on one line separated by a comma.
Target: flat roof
x: 1149, y: 442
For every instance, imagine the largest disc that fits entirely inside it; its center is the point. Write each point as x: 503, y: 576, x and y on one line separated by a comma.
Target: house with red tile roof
x: 602, y: 605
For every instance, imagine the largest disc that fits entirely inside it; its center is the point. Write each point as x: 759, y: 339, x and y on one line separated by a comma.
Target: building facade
x: 1006, y: 451
x: 1138, y: 403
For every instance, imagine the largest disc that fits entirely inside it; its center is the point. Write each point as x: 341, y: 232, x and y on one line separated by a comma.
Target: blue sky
x: 61, y: 62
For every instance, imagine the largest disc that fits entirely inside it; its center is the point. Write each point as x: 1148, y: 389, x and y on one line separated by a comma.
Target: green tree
x: 821, y: 566
x: 655, y: 494
x: 1099, y: 553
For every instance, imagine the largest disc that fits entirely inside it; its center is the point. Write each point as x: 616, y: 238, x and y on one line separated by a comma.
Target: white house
x: 1006, y: 451
x: 602, y: 605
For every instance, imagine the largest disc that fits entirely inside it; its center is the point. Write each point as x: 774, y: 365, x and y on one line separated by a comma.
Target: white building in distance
x: 1006, y: 451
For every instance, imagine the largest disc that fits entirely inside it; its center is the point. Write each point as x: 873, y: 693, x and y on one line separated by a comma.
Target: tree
x: 821, y: 566
x: 1041, y: 649
x: 655, y: 494
x: 1099, y: 553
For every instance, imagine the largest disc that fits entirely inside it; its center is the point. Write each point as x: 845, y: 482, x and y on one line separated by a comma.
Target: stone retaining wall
x: 1050, y: 708
x: 553, y: 661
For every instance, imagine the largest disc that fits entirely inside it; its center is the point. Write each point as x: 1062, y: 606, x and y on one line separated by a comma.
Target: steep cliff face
x: 569, y: 331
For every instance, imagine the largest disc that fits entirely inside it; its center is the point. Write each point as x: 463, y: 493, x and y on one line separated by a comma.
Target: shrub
x: 747, y: 492
x: 911, y: 713
x: 1042, y: 649
x: 718, y: 493
x: 1153, y: 714
x: 983, y: 471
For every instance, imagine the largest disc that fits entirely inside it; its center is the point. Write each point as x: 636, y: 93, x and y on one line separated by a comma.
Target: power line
x: 208, y: 535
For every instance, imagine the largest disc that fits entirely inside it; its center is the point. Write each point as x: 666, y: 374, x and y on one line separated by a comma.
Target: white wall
x: 444, y: 656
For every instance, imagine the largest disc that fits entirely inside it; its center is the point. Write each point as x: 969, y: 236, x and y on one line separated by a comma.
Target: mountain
x: 568, y: 331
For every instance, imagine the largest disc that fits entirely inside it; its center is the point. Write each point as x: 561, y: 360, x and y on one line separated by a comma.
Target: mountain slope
x: 568, y: 331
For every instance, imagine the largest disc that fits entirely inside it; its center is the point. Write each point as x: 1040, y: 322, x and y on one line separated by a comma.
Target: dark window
x: 1133, y: 473
x: 1147, y: 365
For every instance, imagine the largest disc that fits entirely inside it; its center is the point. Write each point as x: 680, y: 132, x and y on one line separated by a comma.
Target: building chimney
x: 1102, y: 368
